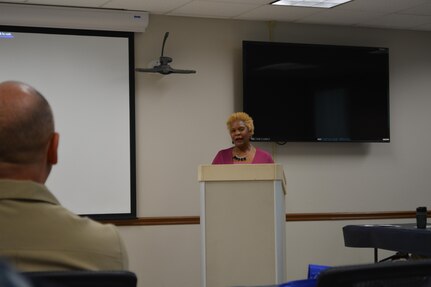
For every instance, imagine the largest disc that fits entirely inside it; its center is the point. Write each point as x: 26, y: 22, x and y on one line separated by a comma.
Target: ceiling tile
x: 76, y: 3
x: 258, y: 2
x: 213, y: 9
x: 278, y: 13
x: 398, y: 21
x: 154, y: 6
x: 424, y: 9
x: 338, y: 17
x: 387, y: 6
x: 15, y: 1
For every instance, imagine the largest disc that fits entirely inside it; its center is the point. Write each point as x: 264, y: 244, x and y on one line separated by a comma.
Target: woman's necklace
x: 239, y: 158
x: 243, y: 157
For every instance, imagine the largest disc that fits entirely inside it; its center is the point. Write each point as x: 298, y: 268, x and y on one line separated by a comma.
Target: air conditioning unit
x: 73, y: 18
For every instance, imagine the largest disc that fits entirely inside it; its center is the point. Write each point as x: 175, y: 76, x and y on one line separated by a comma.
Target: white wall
x: 180, y: 124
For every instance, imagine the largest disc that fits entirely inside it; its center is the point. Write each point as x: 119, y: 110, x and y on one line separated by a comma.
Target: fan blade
x: 161, y: 69
x: 166, y: 70
x: 149, y: 70
x: 180, y: 71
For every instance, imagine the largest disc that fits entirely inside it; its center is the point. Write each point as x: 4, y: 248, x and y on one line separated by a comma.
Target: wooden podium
x: 242, y: 224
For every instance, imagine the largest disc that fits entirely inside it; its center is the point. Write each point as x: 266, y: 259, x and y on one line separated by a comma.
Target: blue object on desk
x: 314, y: 270
x: 301, y: 283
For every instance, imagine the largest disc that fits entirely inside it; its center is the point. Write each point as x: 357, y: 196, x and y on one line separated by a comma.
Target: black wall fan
x: 163, y: 66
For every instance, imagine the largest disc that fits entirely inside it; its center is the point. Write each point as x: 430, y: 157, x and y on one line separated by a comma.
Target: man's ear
x: 53, y: 148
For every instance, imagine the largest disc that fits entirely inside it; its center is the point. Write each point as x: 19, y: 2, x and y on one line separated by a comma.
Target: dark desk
x: 404, y: 238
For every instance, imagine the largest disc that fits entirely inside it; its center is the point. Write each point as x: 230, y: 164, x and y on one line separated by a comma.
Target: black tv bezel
x: 282, y: 140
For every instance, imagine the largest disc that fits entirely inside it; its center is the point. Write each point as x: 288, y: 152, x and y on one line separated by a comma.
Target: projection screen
x: 88, y: 78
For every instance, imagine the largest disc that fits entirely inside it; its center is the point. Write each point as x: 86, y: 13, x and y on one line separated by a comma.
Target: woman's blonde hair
x: 241, y: 116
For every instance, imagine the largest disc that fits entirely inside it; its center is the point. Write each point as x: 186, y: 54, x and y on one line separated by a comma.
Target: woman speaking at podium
x: 241, y: 129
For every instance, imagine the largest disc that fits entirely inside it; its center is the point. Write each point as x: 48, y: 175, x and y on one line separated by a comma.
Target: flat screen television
x: 316, y: 93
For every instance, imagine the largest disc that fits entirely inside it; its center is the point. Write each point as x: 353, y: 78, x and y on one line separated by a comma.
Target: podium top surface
x: 241, y: 172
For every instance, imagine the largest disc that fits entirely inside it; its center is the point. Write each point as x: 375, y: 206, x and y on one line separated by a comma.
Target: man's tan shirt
x: 38, y: 234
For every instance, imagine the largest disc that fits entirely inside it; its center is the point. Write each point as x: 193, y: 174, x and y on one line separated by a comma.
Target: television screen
x: 316, y: 93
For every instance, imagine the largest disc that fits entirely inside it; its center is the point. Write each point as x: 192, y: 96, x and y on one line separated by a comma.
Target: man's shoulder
x: 83, y: 223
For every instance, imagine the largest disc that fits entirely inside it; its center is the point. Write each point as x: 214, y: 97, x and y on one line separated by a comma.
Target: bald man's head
x: 26, y: 124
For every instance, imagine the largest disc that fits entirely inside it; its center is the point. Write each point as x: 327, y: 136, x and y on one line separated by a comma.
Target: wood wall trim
x: 328, y: 216
x: 167, y: 220
x: 349, y: 215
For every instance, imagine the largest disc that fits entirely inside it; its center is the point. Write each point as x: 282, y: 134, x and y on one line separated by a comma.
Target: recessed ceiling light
x: 310, y: 3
